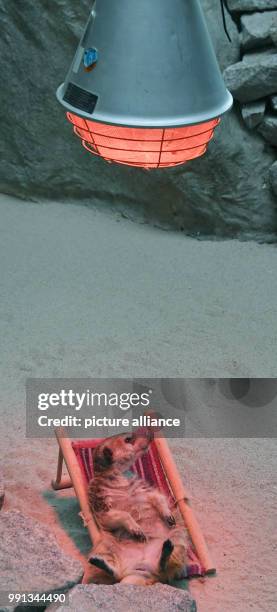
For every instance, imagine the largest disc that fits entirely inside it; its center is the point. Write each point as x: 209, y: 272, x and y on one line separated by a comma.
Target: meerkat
x: 142, y: 541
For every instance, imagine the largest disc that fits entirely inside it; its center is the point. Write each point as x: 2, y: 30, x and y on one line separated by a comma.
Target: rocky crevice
x: 253, y: 80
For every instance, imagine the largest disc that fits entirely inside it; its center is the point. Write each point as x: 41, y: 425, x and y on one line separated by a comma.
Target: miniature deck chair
x: 157, y: 467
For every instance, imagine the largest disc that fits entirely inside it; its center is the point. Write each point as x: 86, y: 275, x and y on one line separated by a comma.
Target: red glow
x: 146, y: 148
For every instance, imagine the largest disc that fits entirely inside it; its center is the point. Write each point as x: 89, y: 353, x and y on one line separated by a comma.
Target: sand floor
x: 87, y: 294
x: 233, y: 485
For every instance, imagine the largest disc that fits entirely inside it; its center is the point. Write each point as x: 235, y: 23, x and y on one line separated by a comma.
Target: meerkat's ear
x: 103, y: 458
x: 108, y: 455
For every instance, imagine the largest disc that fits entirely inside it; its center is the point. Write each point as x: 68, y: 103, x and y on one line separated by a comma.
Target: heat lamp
x: 144, y: 88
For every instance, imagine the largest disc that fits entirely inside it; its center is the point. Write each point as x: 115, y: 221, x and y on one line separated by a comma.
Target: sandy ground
x: 83, y: 292
x: 233, y: 485
x: 87, y: 294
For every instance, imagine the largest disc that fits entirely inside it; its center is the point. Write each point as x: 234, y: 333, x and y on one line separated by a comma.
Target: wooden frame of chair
x: 76, y: 480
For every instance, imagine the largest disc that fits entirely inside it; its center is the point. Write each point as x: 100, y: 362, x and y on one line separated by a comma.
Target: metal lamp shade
x: 144, y: 87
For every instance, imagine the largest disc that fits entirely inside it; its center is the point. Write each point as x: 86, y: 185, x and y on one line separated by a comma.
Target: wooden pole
x: 65, y: 483
x: 61, y: 483
x: 182, y: 499
x: 78, y: 483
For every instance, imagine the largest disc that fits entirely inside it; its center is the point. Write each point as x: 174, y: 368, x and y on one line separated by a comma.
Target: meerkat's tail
x: 167, y: 550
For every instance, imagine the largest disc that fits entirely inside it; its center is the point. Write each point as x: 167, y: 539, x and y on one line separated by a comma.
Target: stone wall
x: 226, y: 193
x: 253, y: 80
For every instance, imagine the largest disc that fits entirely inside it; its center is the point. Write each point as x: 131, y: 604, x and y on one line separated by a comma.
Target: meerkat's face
x: 120, y: 452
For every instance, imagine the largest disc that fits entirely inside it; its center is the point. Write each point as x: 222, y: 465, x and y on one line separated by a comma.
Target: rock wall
x: 228, y: 192
x: 251, y: 5
x: 122, y: 598
x: 253, y: 80
x: 32, y: 562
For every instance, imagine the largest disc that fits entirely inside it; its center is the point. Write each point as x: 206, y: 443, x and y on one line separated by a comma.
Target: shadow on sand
x: 67, y: 510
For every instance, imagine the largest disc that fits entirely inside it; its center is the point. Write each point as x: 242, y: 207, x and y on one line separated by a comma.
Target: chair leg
x: 61, y: 483
x: 78, y: 482
x: 181, y: 496
x: 65, y: 483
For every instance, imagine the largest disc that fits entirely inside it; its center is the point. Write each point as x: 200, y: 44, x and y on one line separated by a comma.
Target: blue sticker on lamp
x: 90, y: 58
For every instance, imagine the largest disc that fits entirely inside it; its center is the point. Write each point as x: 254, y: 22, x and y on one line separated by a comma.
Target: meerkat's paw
x: 103, y: 565
x: 170, y: 520
x: 138, y: 534
x: 165, y: 511
x: 134, y: 529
